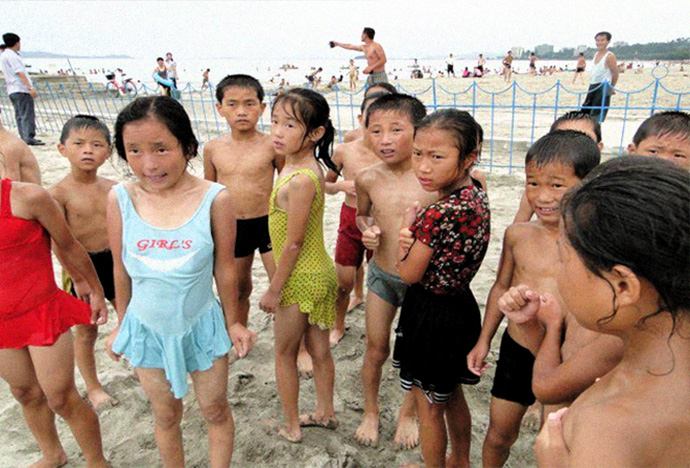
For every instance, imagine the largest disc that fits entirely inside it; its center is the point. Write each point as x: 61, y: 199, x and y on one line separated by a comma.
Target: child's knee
x: 85, y: 334
x: 378, y: 352
x: 216, y: 412
x: 167, y: 417
x: 502, y: 435
x: 60, y: 400
x: 29, y: 395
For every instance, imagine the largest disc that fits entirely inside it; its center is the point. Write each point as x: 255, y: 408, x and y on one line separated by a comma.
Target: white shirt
x: 600, y: 72
x: 12, y: 64
x: 171, y: 65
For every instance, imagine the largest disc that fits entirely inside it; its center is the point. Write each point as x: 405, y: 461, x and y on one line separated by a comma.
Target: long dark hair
x: 312, y: 110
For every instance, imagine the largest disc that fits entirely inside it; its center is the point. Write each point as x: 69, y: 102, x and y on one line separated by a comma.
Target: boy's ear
x: 61, y: 149
x: 317, y: 133
x: 263, y: 108
x: 360, y: 119
x: 632, y: 149
x: 219, y: 106
x: 601, y: 146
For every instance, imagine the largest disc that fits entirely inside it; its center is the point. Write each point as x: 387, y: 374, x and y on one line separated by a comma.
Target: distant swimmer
x: 580, y: 67
x: 507, y: 66
x: 376, y: 57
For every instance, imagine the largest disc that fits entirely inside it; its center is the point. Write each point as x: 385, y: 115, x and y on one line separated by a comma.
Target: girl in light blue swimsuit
x: 171, y: 233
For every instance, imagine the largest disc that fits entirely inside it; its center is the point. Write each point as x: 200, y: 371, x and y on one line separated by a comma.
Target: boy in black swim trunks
x: 82, y: 195
x: 244, y: 161
x: 556, y: 162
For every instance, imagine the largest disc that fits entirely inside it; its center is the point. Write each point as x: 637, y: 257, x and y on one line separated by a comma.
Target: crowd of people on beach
x: 592, y: 280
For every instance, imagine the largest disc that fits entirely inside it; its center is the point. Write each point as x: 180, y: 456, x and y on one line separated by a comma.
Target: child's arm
x: 524, y: 213
x: 520, y: 304
x: 476, y: 359
x: 334, y: 186
x: 209, y: 167
x: 300, y: 195
x: 223, y: 227
x: 121, y: 279
x: 370, y: 232
x: 47, y: 212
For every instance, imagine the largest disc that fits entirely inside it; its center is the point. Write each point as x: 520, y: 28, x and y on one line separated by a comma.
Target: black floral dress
x: 440, y: 320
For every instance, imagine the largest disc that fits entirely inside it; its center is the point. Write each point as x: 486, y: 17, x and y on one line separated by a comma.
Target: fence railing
x: 512, y: 117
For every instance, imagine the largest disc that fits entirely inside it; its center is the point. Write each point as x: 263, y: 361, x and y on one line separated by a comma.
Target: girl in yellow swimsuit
x: 302, y: 292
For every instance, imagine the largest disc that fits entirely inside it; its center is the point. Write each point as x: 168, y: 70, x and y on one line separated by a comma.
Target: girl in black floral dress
x: 440, y: 319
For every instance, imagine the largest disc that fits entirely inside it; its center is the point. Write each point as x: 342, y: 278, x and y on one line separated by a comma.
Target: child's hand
x: 109, y: 345
x: 476, y: 359
x: 405, y: 241
x: 348, y: 186
x: 550, y: 313
x: 371, y: 237
x: 549, y: 448
x: 269, y: 301
x: 242, y: 339
x: 99, y: 311
x: 520, y: 304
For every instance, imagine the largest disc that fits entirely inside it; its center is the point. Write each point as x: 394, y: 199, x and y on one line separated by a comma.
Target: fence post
x: 656, y: 90
x: 604, y: 89
x: 433, y: 91
x: 512, y: 127
x: 337, y: 112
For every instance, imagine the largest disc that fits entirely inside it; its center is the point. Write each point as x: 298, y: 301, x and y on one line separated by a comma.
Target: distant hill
x: 678, y: 49
x: 40, y: 54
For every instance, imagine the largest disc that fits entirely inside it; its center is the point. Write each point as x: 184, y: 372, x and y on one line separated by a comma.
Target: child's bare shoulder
x: 368, y: 176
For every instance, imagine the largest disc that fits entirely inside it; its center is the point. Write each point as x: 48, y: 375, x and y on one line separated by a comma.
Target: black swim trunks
x: 103, y: 263
x: 513, y: 378
x: 579, y: 69
x: 252, y: 234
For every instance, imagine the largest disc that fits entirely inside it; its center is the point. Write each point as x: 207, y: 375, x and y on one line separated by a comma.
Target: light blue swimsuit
x: 173, y: 320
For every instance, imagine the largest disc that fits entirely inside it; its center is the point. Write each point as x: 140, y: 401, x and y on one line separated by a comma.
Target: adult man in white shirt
x: 19, y: 88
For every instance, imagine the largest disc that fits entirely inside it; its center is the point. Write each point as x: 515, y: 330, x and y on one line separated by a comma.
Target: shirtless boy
x: 357, y: 133
x: 557, y: 161
x: 244, y: 161
x: 376, y: 57
x: 384, y: 193
x: 350, y: 158
x: 665, y: 135
x: 83, y: 195
x: 508, y: 66
x: 20, y: 163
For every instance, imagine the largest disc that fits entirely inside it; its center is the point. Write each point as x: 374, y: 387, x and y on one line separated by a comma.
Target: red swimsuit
x: 33, y: 311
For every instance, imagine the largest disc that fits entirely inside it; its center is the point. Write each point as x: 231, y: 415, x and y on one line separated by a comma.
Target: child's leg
x: 379, y: 316
x: 504, y: 427
x: 269, y: 263
x: 18, y: 371
x: 459, y: 422
x: 211, y: 388
x: 243, y: 267
x: 324, y: 374
x: 433, y: 430
x: 346, y: 281
x: 167, y: 415
x: 407, y: 432
x: 359, y: 289
x: 54, y: 367
x: 289, y: 327
x: 84, y: 342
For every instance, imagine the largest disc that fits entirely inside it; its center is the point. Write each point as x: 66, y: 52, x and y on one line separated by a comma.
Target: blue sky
x: 302, y: 29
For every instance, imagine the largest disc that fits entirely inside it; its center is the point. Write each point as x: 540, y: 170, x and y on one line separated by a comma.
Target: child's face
x: 581, y: 125
x: 85, y: 148
x: 435, y: 160
x: 545, y: 187
x: 241, y: 108
x: 154, y: 154
x: 287, y: 133
x: 673, y: 148
x: 391, y: 135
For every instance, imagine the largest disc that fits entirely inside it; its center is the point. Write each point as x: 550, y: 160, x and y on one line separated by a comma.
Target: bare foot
x: 60, y: 459
x: 532, y: 418
x: 335, y: 336
x: 367, y: 433
x: 354, y: 302
x: 100, y: 400
x: 305, y: 367
x: 407, y: 434
x: 312, y: 420
x: 293, y: 437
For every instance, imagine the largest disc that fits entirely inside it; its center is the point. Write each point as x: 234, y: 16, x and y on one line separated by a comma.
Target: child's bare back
x: 246, y: 168
x: 352, y: 158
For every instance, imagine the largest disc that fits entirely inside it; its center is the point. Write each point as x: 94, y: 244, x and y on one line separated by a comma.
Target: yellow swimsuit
x: 312, y: 284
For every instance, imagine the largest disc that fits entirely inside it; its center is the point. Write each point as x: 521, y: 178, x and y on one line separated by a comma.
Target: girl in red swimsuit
x: 35, y: 317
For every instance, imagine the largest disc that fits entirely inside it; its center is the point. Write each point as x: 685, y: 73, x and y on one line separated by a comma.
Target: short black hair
x: 573, y: 116
x: 371, y: 97
x: 665, y: 123
x: 159, y: 59
x: 403, y: 103
x: 606, y: 34
x: 369, y: 32
x: 239, y: 81
x: 567, y: 147
x: 387, y: 86
x: 83, y: 122
x: 164, y: 109
x: 10, y: 39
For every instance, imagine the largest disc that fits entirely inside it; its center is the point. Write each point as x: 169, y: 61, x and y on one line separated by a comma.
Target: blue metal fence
x: 512, y: 116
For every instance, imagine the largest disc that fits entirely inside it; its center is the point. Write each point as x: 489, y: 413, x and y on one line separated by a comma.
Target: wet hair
x: 577, y: 115
x: 635, y: 212
x: 387, y: 86
x: 311, y: 110
x: 159, y: 59
x: 567, y: 147
x: 369, y: 32
x: 10, y: 39
x: 371, y: 97
x: 403, y: 103
x: 163, y: 109
x: 668, y: 123
x: 582, y: 54
x: 84, y: 122
x: 239, y: 81
x: 606, y: 34
x: 459, y: 124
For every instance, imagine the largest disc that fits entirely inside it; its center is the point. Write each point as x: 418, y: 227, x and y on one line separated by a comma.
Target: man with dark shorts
x: 376, y: 57
x: 604, y: 76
